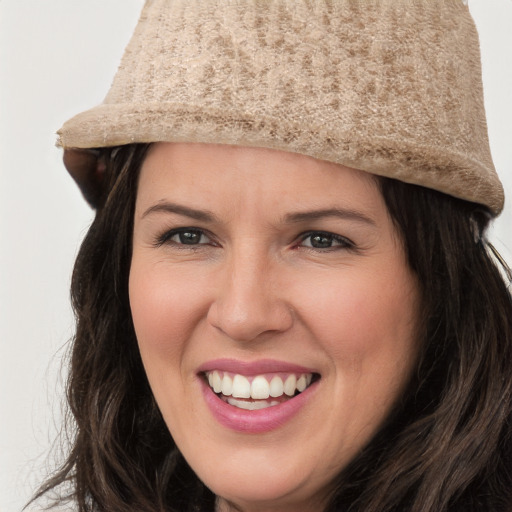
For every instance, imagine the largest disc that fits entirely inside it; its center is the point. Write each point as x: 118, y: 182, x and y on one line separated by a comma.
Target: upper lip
x: 249, y: 368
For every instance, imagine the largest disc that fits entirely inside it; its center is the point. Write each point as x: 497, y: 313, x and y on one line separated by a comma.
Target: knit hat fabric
x: 392, y: 87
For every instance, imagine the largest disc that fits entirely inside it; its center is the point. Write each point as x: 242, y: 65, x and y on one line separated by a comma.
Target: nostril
x: 246, y: 321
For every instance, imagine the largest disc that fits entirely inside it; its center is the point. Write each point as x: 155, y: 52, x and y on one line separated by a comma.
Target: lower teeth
x: 250, y: 405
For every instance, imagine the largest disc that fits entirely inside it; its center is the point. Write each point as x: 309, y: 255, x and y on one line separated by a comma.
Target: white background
x: 58, y: 57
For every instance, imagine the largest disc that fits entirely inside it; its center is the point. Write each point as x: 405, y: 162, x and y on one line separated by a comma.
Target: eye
x: 184, y: 236
x: 325, y: 240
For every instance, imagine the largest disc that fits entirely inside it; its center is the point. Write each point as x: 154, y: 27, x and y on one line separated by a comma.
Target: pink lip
x: 253, y: 368
x: 262, y: 420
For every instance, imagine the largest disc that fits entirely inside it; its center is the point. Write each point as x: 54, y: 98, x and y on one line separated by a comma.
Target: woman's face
x: 275, y: 314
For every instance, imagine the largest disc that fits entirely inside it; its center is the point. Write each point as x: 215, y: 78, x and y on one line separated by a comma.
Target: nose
x: 249, y: 301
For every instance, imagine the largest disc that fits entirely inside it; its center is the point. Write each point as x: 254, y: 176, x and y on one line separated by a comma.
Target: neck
x: 223, y: 505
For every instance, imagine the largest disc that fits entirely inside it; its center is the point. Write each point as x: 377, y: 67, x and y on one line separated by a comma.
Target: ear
x: 87, y: 167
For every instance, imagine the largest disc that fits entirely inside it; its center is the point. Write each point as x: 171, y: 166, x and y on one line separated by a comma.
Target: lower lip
x: 259, y: 421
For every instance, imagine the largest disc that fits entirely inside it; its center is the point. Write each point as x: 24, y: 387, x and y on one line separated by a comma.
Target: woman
x: 286, y: 300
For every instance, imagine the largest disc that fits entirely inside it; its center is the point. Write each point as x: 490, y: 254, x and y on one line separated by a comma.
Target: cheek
x: 166, y: 308
x: 366, y: 323
x: 357, y: 311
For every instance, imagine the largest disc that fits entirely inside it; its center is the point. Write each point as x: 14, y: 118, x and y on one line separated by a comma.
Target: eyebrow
x: 193, y: 213
x: 290, y: 218
x: 341, y: 213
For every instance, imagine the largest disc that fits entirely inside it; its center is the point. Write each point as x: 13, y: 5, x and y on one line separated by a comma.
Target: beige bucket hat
x: 392, y: 87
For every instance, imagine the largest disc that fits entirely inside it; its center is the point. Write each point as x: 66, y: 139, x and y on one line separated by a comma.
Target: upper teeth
x: 258, y: 387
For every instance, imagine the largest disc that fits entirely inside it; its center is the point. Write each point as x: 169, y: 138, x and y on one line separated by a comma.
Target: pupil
x: 321, y: 241
x: 189, y: 237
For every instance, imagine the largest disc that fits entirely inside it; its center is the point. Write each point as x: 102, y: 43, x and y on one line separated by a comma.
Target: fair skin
x: 255, y: 263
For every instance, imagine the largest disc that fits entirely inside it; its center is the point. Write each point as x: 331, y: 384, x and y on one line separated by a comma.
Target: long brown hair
x: 446, y: 447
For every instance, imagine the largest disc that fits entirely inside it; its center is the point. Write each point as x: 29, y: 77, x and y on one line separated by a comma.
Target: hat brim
x: 399, y: 158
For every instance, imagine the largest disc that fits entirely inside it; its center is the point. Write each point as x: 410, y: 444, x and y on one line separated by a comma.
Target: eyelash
x: 341, y: 241
x: 166, y: 238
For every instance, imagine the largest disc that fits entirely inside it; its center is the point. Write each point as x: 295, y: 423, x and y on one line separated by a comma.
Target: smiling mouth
x: 258, y: 391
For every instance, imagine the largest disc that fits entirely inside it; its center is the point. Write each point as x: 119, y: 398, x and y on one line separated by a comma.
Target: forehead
x: 209, y: 173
